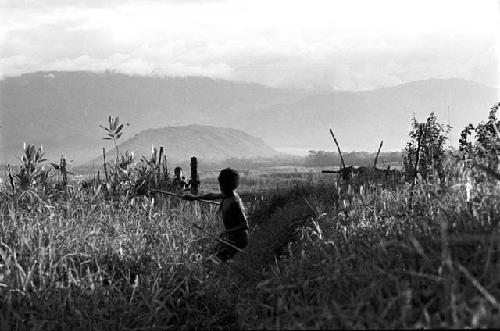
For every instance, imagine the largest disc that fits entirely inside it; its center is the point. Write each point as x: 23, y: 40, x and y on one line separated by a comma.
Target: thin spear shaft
x: 217, y: 238
x: 180, y: 196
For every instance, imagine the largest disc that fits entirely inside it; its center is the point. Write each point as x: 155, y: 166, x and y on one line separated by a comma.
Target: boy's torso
x: 233, y: 212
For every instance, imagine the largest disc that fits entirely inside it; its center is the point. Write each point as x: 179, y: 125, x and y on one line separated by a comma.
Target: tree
x: 425, y: 152
x: 485, y: 148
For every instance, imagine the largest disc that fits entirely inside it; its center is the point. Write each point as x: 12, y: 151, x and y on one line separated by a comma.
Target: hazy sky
x: 324, y: 45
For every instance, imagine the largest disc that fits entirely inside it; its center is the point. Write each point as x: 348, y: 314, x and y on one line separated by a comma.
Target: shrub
x: 125, y: 175
x: 31, y: 172
x: 485, y: 148
x: 425, y: 152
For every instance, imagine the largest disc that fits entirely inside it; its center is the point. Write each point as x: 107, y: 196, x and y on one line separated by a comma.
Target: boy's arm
x: 206, y: 196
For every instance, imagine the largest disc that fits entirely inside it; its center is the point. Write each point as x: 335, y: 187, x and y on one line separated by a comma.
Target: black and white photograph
x: 249, y: 164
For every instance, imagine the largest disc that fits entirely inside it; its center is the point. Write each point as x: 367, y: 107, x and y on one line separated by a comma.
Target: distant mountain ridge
x: 205, y: 142
x: 62, y: 110
x: 361, y: 119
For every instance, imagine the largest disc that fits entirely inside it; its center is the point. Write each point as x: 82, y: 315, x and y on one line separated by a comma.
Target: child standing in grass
x: 179, y: 181
x: 233, y: 213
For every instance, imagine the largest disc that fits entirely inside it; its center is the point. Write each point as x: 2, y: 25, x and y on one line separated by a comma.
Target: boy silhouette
x: 179, y: 181
x: 233, y: 213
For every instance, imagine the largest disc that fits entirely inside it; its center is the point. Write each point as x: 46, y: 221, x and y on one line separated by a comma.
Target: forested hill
x: 205, y: 142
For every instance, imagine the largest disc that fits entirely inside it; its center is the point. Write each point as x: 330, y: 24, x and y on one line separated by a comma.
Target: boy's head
x: 228, y: 180
x: 178, y: 171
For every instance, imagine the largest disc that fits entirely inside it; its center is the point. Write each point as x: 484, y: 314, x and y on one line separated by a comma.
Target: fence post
x: 417, y: 165
x: 62, y: 166
x: 104, y: 163
x: 165, y: 169
x: 159, y: 165
x: 195, y: 179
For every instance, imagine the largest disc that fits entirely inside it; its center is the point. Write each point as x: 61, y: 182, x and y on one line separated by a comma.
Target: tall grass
x: 342, y: 255
x: 104, y: 265
x: 375, y: 263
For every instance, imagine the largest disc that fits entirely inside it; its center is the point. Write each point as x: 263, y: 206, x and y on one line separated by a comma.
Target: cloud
x: 309, y: 44
x: 50, y: 4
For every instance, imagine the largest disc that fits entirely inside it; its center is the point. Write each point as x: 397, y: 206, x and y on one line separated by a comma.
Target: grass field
x: 322, y: 254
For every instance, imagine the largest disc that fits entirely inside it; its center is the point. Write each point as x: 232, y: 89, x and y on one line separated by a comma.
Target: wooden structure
x: 347, y: 172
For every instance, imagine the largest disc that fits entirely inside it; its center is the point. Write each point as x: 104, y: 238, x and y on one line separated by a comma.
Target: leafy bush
x: 485, y: 146
x: 31, y: 172
x: 125, y: 176
x: 148, y: 175
x: 425, y: 152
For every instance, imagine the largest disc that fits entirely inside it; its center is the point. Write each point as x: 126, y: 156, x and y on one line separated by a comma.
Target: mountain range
x: 362, y: 119
x: 62, y: 110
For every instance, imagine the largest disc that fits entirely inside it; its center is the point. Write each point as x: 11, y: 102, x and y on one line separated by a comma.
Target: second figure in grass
x: 233, y: 212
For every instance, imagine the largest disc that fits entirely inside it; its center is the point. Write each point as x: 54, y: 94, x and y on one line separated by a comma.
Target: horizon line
x: 318, y: 91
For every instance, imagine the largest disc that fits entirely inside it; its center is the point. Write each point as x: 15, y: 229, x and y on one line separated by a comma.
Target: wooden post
x: 195, y: 179
x: 11, y: 179
x: 417, y: 157
x: 62, y: 166
x: 338, y: 148
x: 159, y: 165
x: 417, y: 160
x: 165, y: 168
x: 104, y: 163
x: 378, y: 152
